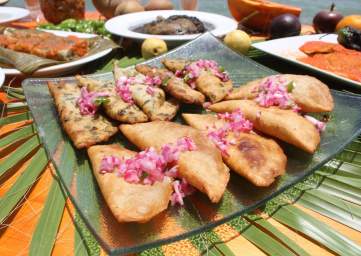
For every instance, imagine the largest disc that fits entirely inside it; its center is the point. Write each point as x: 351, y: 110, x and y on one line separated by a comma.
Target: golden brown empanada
x: 173, y: 85
x: 258, y: 159
x: 116, y: 108
x: 128, y: 202
x: 202, y: 168
x: 280, y: 123
x: 154, y: 105
x: 207, y: 83
x: 309, y: 93
x: 83, y: 130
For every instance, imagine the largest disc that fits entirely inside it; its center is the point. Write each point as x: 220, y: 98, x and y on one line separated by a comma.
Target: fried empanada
x: 309, y: 93
x: 203, y: 168
x: 207, y: 83
x: 116, y: 108
x: 128, y: 202
x: 280, y: 123
x: 258, y: 159
x: 83, y: 130
x: 154, y: 104
x: 213, y: 87
x: 175, y: 64
x: 175, y: 86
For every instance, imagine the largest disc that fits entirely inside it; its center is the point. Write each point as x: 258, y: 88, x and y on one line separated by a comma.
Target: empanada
x: 173, y: 85
x: 203, y: 168
x: 128, y: 202
x: 207, y: 82
x: 258, y: 159
x: 280, y: 123
x: 83, y: 130
x: 154, y: 104
x: 309, y: 93
x: 116, y: 108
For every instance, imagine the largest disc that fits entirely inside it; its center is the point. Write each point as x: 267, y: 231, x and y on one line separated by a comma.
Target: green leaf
x: 332, y: 207
x: 46, y: 230
x: 265, y: 242
x: 17, y: 135
x: 23, y: 184
x: 85, y: 243
x: 340, y: 193
x: 20, y: 153
x: 16, y: 106
x: 317, y: 230
x: 345, y: 188
x: 15, y: 118
x: 265, y: 225
x: 123, y: 62
x: 354, y: 182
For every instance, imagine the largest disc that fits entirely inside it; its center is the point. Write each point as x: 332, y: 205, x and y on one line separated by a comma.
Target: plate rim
x: 316, y: 37
x: 126, y: 32
x: 18, y: 12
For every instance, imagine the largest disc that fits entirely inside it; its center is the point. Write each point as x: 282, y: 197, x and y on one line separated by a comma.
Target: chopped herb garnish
x: 290, y: 86
x: 101, y: 100
x: 165, y: 81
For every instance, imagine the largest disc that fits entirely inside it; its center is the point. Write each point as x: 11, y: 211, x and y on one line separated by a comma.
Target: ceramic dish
x: 8, y: 14
x: 63, y: 68
x: 124, y: 25
x: 288, y: 50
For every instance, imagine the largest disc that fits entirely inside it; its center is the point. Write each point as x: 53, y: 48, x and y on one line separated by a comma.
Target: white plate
x: 124, y: 25
x: 63, y: 68
x: 8, y: 14
x: 288, y: 49
x: 2, y: 77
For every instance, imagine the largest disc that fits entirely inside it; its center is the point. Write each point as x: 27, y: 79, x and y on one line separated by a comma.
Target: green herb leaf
x: 101, y: 100
x: 290, y: 86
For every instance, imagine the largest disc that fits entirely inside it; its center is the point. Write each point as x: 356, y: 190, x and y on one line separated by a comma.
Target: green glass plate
x: 198, y: 214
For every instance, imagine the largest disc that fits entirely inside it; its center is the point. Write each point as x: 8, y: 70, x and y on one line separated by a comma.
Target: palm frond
x: 21, y: 152
x: 300, y: 221
x: 23, y: 184
x: 17, y: 135
x: 15, y: 118
x: 46, y: 230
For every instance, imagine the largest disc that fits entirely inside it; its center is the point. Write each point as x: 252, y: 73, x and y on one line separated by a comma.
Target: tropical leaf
x: 264, y: 225
x: 21, y: 152
x: 15, y: 118
x: 46, y: 230
x: 22, y: 184
x: 317, y: 230
x: 17, y: 135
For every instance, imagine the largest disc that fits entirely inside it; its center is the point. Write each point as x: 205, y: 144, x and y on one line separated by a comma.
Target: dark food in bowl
x: 173, y: 25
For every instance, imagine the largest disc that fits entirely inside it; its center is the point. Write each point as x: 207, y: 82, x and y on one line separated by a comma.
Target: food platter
x: 8, y: 14
x: 288, y: 49
x: 63, y: 68
x: 124, y: 25
x: 198, y: 213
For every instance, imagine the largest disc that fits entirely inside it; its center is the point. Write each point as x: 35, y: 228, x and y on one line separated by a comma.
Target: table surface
x: 309, y: 7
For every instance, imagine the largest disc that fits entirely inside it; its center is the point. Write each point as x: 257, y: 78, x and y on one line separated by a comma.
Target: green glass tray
x: 198, y: 214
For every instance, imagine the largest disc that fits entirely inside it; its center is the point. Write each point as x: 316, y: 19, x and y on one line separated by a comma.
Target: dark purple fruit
x: 326, y: 21
x: 285, y: 25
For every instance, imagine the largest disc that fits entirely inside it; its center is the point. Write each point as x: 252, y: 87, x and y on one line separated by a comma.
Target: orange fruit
x: 351, y: 20
x: 266, y: 11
